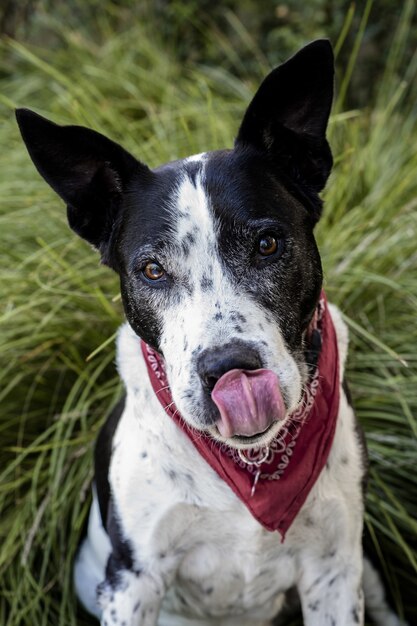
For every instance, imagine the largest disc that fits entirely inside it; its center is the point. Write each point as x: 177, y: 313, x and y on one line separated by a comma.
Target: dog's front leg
x: 132, y: 599
x: 331, y: 593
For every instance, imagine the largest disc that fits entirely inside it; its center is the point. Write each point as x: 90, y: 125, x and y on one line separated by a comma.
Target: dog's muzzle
x: 248, y: 397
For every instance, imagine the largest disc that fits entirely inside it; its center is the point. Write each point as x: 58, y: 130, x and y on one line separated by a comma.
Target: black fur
x: 248, y: 199
x: 102, y: 456
x: 90, y: 172
x: 287, y: 120
x: 280, y: 161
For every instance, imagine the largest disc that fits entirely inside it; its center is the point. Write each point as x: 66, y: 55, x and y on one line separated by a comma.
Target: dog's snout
x: 213, y: 363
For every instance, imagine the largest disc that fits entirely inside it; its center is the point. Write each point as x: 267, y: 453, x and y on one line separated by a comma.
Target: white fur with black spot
x: 201, y: 559
x: 195, y: 319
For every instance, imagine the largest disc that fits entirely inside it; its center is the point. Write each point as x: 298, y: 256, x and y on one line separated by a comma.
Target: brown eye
x: 153, y: 271
x: 267, y: 245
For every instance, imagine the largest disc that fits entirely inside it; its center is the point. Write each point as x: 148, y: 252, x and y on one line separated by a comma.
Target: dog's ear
x: 288, y: 115
x: 88, y: 171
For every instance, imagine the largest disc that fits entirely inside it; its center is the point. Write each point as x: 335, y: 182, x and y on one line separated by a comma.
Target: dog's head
x: 217, y: 260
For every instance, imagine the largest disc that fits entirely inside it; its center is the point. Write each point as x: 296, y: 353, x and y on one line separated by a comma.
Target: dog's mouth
x: 258, y: 440
x: 250, y: 406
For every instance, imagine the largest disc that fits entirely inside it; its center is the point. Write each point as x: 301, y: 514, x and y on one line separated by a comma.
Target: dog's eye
x: 153, y: 271
x: 267, y: 245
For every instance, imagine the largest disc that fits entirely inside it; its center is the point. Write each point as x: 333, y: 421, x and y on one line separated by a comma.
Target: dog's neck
x: 274, y: 481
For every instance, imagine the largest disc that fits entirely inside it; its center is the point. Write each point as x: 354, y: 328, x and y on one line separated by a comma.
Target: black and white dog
x: 221, y: 279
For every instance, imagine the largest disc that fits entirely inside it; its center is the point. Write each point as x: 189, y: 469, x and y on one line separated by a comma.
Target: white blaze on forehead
x: 194, y: 158
x: 196, y: 227
x: 193, y: 210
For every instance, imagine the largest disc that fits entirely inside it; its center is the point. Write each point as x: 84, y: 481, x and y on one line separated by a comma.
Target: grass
x: 59, y: 307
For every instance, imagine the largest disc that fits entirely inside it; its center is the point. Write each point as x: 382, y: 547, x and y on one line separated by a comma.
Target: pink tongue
x: 248, y: 401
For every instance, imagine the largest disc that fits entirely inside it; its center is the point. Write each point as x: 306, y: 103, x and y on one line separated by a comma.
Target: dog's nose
x: 215, y: 362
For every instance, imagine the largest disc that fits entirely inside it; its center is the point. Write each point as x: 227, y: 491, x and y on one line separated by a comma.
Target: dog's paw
x: 133, y: 601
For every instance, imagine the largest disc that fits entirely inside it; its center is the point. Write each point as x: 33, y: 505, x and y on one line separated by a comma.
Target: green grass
x: 59, y: 307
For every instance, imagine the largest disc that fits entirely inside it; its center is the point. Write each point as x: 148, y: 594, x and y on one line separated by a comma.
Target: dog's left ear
x: 288, y: 115
x: 90, y: 172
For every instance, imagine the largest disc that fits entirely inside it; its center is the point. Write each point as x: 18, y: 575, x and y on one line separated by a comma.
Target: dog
x: 232, y: 471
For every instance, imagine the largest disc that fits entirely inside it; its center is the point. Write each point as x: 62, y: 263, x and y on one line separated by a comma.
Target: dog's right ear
x: 88, y: 171
x: 288, y: 115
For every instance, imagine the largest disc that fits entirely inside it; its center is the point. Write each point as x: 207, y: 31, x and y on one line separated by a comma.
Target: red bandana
x: 274, y: 483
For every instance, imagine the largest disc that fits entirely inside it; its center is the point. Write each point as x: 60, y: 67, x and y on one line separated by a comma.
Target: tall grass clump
x: 60, y: 309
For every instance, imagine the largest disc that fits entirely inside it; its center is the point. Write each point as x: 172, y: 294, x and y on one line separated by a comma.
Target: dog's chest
x: 177, y: 514
x: 182, y: 522
x: 227, y: 577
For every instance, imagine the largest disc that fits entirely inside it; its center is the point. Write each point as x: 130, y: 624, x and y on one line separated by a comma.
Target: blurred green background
x: 167, y: 79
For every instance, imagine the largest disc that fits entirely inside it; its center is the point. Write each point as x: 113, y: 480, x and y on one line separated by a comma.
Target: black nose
x: 214, y: 362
